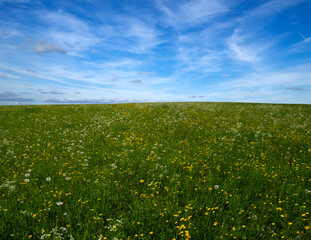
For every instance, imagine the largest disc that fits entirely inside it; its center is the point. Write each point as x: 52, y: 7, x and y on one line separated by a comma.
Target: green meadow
x: 155, y: 171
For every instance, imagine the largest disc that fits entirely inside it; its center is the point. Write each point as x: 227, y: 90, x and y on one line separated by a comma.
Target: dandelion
x: 254, y: 217
x: 27, y: 180
x: 216, y: 187
x: 48, y: 179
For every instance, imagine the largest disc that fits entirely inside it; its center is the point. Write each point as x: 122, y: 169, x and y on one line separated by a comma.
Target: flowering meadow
x: 155, y: 171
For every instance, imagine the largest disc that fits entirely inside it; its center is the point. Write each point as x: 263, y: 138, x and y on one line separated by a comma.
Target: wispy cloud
x: 45, y: 47
x: 88, y: 100
x: 267, y: 86
x: 14, y: 1
x: 225, y: 75
x: 193, y: 59
x: 13, y: 97
x: 243, y: 49
x: 302, y: 46
x: 68, y: 30
x: 190, y: 13
x: 136, y: 81
x: 130, y: 35
x: 249, y: 42
x: 262, y: 15
x: 52, y: 92
x: 295, y: 88
x: 148, y: 73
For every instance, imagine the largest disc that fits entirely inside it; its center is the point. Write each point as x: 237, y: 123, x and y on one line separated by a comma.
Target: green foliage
x: 155, y: 171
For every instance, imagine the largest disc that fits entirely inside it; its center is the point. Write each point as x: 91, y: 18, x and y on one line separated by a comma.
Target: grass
x: 155, y: 171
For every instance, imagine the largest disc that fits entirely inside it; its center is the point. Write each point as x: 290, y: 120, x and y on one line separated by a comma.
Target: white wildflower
x: 254, y: 217
x: 59, y: 203
x: 48, y: 179
x: 26, y: 180
x: 27, y: 175
x: 216, y: 187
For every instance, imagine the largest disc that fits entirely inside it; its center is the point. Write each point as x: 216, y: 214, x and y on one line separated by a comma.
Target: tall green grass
x: 155, y: 171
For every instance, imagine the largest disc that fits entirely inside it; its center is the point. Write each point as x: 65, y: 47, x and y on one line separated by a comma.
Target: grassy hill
x: 155, y: 171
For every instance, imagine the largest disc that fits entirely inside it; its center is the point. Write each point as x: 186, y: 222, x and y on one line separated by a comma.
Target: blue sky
x: 100, y: 51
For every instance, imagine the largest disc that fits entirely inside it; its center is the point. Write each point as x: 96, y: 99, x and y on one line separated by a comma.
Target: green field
x: 155, y: 171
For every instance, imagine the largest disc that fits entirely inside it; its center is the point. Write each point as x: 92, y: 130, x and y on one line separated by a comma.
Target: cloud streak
x: 190, y: 13
x: 13, y: 97
x: 42, y: 47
